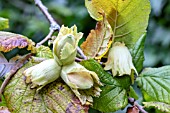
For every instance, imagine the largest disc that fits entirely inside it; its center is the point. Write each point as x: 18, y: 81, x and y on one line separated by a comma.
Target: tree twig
x: 81, y: 53
x: 132, y: 101
x: 13, y: 71
x: 54, y: 26
x: 46, y: 38
x: 78, y: 59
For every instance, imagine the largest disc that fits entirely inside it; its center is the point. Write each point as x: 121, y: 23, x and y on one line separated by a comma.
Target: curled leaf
x: 9, y: 41
x: 99, y: 40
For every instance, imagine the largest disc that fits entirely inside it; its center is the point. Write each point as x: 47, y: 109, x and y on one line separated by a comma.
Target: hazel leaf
x: 9, y: 41
x: 93, y: 65
x: 154, y: 83
x: 138, y: 53
x: 132, y: 93
x: 114, y: 92
x: 127, y: 19
x: 165, y: 108
x: 54, y: 97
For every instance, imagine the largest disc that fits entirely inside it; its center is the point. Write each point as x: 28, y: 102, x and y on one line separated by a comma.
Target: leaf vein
x: 152, y: 86
x: 56, y: 102
x: 118, y: 36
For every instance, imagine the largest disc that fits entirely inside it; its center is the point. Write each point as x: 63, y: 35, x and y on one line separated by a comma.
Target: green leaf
x: 4, y: 23
x: 9, y: 41
x: 44, y: 52
x: 165, y: 108
x: 55, y: 97
x: 154, y: 83
x: 138, y: 53
x: 132, y: 93
x: 114, y: 92
x: 93, y: 65
x: 112, y: 98
x: 128, y: 18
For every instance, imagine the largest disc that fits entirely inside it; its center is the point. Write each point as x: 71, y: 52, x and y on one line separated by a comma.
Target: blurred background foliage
x: 26, y: 19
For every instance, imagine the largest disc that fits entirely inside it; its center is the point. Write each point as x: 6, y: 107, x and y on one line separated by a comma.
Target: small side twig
x: 78, y: 59
x: 54, y: 26
x: 13, y: 71
x: 46, y: 38
x: 81, y: 53
x: 132, y: 101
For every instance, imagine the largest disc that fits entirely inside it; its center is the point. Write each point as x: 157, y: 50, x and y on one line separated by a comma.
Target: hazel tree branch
x: 132, y: 101
x: 46, y: 38
x: 54, y: 26
x: 81, y: 53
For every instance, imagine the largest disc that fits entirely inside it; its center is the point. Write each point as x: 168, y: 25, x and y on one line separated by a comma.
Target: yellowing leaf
x: 9, y: 41
x: 98, y: 41
x: 4, y: 23
x: 44, y: 52
x: 165, y: 108
x: 128, y: 18
x: 55, y: 97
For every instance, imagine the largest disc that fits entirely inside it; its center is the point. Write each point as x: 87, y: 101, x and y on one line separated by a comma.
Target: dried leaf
x: 9, y: 41
x: 4, y: 23
x: 6, y: 66
x: 99, y: 40
x: 55, y: 97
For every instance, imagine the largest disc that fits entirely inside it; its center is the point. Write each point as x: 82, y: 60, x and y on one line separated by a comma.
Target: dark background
x: 26, y: 19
